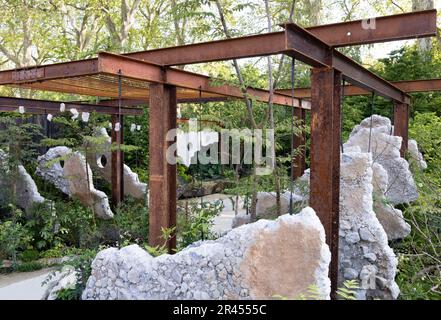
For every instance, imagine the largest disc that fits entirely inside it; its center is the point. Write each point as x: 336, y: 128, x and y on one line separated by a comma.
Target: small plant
x: 29, y: 255
x: 349, y: 290
x: 29, y: 266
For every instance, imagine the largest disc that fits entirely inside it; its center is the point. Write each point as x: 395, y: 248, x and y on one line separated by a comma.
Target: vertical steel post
x: 162, y: 178
x: 401, y: 124
x: 325, y: 158
x: 299, y: 141
x: 117, y: 175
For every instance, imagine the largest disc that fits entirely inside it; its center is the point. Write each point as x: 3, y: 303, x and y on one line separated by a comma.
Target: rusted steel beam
x: 388, y: 28
x: 162, y: 175
x: 136, y: 69
x: 299, y: 141
x: 408, y: 86
x: 117, y: 175
x: 325, y: 158
x: 308, y: 48
x: 33, y: 106
x: 381, y: 29
x: 401, y: 125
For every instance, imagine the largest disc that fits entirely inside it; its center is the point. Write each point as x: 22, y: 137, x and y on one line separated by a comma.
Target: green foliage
x: 348, y: 291
x: 131, y: 220
x: 195, y: 220
x: 29, y: 266
x: 29, y: 255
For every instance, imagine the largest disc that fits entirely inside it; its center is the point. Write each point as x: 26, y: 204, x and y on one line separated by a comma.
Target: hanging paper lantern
x: 62, y: 107
x: 21, y: 109
x: 117, y: 126
x: 132, y: 127
x: 110, y: 125
x: 75, y: 113
x: 138, y: 127
x: 85, y: 116
x: 49, y: 117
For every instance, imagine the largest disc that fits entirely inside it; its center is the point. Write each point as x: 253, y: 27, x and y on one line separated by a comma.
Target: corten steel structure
x: 148, y: 76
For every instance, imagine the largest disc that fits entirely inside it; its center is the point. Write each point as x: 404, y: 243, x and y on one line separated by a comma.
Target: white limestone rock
x: 27, y: 192
x: 385, y: 149
x: 67, y: 171
x: 50, y: 167
x: 79, y: 176
x: 64, y: 279
x: 243, y: 264
x: 390, y: 218
x: 367, y: 257
x: 415, y: 155
x: 266, y: 206
x: 100, y: 158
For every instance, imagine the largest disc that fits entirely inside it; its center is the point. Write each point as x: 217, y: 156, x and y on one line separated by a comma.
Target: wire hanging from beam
x: 291, y: 182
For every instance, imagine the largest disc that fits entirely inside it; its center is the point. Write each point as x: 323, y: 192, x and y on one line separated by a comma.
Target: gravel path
x: 23, y: 285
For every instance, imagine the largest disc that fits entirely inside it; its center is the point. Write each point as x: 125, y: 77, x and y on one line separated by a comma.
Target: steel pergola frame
x: 152, y: 71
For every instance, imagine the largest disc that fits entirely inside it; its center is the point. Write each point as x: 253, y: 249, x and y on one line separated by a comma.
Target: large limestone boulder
x: 390, y: 218
x: 363, y: 248
x: 415, y: 155
x: 50, y: 167
x: 385, y: 149
x: 27, y: 192
x: 100, y: 160
x: 243, y: 264
x: 67, y: 171
x: 79, y: 176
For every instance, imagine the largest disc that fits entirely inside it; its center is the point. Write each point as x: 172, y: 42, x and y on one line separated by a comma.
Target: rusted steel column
x: 117, y: 175
x: 299, y: 161
x: 325, y: 158
x: 401, y: 124
x: 162, y: 178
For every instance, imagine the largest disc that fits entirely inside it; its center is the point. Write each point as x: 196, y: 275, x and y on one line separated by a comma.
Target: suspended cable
x: 291, y: 182
x: 342, y: 96
x: 372, y: 116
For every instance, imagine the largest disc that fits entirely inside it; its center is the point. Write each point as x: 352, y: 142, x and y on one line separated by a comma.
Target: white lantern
x: 132, y: 127
x: 138, y: 127
x: 49, y: 117
x: 85, y: 116
x: 117, y: 126
x: 110, y: 125
x: 62, y: 107
x: 74, y: 113
x: 21, y: 109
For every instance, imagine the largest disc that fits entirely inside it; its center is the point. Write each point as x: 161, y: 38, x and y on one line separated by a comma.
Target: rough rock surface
x: 65, y: 279
x: 27, y: 192
x: 385, y: 149
x: 390, y: 218
x: 240, y: 265
x: 415, y: 155
x: 70, y: 176
x: 363, y: 248
x: 81, y: 186
x: 52, y: 170
x: 100, y: 160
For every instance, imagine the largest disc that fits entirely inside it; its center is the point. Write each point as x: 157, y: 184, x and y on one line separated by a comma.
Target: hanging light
x: 75, y: 113
x: 62, y: 107
x: 85, y: 116
x: 117, y: 126
x: 49, y: 117
x: 110, y: 125
x: 138, y: 127
x: 132, y: 127
x: 21, y: 109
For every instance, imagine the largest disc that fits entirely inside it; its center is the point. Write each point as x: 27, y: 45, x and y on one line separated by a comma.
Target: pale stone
x: 415, y: 155
x: 260, y: 272
x: 66, y: 279
x: 27, y: 192
x: 67, y: 171
x: 356, y: 208
x: 266, y: 206
x: 385, y: 149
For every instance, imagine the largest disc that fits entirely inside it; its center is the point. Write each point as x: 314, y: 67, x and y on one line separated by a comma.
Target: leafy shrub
x: 132, y: 221
x: 13, y: 237
x: 29, y: 266
x: 29, y: 255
